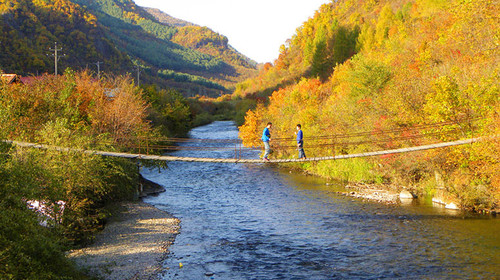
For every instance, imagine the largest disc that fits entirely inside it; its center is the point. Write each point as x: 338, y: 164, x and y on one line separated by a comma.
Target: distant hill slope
x: 120, y: 34
x: 206, y: 41
x: 166, y: 18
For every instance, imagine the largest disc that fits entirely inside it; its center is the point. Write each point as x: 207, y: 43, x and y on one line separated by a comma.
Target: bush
x: 170, y: 112
x: 27, y: 250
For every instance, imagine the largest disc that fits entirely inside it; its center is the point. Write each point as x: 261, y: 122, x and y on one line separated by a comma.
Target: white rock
x: 405, y: 195
x: 452, y: 206
x: 406, y: 201
x: 437, y: 200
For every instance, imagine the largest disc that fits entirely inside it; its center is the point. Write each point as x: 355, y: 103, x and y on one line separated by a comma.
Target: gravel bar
x: 132, y: 245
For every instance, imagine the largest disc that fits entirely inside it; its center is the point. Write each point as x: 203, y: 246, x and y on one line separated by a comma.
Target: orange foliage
x: 112, y: 108
x: 250, y: 131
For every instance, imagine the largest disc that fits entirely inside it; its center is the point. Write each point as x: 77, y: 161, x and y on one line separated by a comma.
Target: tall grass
x: 351, y: 170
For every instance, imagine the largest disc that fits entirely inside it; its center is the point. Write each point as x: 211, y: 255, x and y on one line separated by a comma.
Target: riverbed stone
x: 438, y: 200
x: 452, y: 206
x: 404, y: 194
x: 132, y: 245
x: 445, y: 200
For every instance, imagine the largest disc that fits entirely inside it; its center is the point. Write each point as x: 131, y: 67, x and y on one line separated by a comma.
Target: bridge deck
x: 236, y: 160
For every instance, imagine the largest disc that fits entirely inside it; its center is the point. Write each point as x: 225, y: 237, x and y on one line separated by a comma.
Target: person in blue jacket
x: 266, y: 137
x: 300, y: 142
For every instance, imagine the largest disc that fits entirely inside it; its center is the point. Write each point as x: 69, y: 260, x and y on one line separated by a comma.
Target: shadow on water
x: 254, y: 221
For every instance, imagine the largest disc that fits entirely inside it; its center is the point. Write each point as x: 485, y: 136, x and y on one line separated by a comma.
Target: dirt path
x: 131, y: 246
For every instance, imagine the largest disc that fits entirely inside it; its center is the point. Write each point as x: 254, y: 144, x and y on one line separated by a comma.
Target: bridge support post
x: 239, y: 157
x: 333, y: 145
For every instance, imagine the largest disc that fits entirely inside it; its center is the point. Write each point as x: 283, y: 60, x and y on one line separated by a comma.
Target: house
x: 10, y: 79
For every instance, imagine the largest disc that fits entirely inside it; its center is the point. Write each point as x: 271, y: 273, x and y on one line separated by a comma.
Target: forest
x: 121, y: 36
x: 376, y: 75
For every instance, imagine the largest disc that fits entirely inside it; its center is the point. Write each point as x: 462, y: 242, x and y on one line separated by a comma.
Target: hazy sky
x: 256, y: 28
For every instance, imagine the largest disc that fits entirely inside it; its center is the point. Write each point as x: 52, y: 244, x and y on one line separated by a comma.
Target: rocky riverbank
x: 389, y: 194
x: 131, y: 246
x: 383, y: 194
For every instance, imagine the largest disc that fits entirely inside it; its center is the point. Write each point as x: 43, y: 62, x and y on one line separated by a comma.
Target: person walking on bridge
x: 300, y: 142
x: 266, y: 137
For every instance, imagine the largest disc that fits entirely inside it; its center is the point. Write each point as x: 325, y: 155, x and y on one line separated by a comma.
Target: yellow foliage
x: 417, y: 62
x: 250, y: 131
x: 384, y: 23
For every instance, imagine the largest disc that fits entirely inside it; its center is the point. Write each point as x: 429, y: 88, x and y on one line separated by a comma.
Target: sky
x: 256, y: 28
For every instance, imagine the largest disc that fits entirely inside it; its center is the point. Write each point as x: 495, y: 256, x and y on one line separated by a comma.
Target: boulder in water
x: 404, y: 194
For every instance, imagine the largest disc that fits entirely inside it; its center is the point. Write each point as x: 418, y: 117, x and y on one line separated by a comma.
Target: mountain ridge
x: 165, y: 18
x: 121, y: 35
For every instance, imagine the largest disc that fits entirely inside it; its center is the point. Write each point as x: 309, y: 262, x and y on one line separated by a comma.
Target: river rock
x: 446, y: 202
x: 404, y: 194
x: 452, y: 206
x: 438, y: 200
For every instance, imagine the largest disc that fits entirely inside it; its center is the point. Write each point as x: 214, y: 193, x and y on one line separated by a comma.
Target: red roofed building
x: 11, y: 79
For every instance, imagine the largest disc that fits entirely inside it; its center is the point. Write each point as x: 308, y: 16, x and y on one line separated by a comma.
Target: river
x: 255, y: 221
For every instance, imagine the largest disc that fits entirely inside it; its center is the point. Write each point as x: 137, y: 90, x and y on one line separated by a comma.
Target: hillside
x: 121, y: 35
x: 166, y: 18
x: 28, y: 29
x: 206, y: 41
x: 419, y: 70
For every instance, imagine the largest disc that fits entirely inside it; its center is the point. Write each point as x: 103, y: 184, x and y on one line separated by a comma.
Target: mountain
x: 28, y: 29
x: 401, y: 73
x: 204, y: 40
x: 122, y: 36
x: 166, y: 18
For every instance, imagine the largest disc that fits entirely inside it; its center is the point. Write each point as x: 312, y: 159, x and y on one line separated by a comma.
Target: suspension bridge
x: 242, y: 160
x: 412, y: 138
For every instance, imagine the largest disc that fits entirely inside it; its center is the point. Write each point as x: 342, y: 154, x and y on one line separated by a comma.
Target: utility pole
x: 98, y: 63
x: 56, y: 56
x: 138, y: 68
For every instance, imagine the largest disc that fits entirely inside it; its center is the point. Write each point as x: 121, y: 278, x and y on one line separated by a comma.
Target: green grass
x: 349, y: 170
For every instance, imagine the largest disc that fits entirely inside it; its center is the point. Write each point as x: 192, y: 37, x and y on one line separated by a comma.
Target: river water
x: 255, y: 221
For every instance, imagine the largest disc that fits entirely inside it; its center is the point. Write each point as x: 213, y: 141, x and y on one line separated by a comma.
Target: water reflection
x: 258, y: 222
